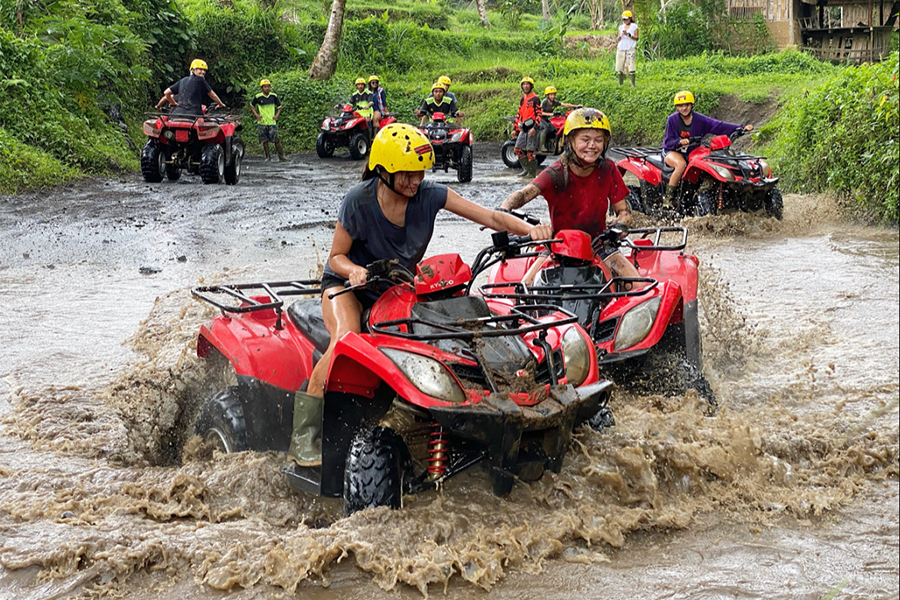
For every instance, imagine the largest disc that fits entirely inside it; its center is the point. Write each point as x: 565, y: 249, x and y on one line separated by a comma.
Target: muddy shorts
x: 626, y: 60
x: 526, y: 142
x: 267, y: 133
x: 606, y: 252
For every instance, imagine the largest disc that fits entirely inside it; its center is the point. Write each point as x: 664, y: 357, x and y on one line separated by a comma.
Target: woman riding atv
x: 682, y: 125
x: 580, y: 187
x: 390, y: 215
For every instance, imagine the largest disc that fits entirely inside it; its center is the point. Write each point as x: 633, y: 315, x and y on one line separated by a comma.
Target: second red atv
x: 437, y: 381
x: 452, y: 146
x: 717, y: 177
x: 349, y: 129
x: 552, y: 145
x: 207, y: 145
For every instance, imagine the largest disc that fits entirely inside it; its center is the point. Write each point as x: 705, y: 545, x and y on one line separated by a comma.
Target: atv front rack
x: 656, y: 233
x: 523, y: 294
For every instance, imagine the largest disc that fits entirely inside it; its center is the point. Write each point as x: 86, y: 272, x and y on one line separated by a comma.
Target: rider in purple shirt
x: 682, y: 125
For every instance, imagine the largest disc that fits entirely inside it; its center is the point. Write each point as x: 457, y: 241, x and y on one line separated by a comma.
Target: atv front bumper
x: 504, y: 429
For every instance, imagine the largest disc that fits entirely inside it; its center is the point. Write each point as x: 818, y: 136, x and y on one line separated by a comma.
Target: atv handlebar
x: 385, y: 270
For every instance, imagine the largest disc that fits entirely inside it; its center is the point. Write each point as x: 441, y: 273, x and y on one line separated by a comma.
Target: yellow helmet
x: 359, y: 80
x: 438, y: 85
x: 401, y: 147
x: 549, y: 90
x: 627, y: 15
x: 527, y: 80
x: 264, y: 82
x: 198, y: 64
x: 683, y: 97
x: 586, y: 118
x: 373, y: 78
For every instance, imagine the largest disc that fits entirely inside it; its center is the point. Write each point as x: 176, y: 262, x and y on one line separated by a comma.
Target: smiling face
x: 199, y: 72
x: 360, y: 87
x: 684, y: 109
x: 406, y: 183
x: 588, y: 144
x: 527, y: 87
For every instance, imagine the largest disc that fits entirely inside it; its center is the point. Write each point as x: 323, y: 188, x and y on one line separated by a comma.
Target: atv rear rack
x: 638, y: 152
x: 274, y: 290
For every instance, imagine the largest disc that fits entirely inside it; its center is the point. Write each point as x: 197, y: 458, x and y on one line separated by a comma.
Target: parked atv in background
x: 717, y: 177
x: 206, y: 145
x: 437, y: 381
x: 452, y: 146
x: 552, y: 145
x: 627, y: 326
x: 349, y: 129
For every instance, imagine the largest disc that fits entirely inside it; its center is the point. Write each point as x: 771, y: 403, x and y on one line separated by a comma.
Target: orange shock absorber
x: 721, y: 195
x: 437, y: 453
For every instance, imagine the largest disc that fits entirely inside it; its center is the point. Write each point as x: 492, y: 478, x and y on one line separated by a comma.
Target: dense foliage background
x: 76, y: 77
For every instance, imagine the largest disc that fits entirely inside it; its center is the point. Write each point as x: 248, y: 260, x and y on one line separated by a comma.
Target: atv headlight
x: 723, y: 172
x: 456, y: 136
x: 428, y: 375
x: 636, y: 324
x: 765, y: 168
x: 577, y: 356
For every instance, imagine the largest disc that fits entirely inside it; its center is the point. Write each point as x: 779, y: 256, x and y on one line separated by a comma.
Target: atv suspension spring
x: 721, y: 196
x: 437, y: 453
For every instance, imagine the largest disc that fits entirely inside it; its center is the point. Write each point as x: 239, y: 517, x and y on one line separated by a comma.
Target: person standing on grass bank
x: 192, y: 92
x: 266, y: 108
x: 626, y: 50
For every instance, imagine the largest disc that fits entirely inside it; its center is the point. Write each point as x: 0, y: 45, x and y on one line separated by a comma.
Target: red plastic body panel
x: 575, y: 244
x: 641, y: 169
x: 441, y: 272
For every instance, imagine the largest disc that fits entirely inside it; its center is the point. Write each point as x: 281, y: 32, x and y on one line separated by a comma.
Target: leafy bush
x: 23, y: 167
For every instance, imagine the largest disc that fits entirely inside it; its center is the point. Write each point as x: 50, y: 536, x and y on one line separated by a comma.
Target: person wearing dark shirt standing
x: 390, y: 215
x: 266, y: 108
x: 192, y: 92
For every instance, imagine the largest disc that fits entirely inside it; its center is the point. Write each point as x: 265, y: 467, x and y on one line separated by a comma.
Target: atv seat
x: 306, y: 315
x: 659, y: 161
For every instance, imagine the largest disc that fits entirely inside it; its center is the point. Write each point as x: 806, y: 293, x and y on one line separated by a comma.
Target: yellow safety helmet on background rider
x: 373, y: 78
x: 444, y: 80
x: 627, y: 15
x: 401, y: 147
x: 586, y: 118
x: 549, y: 90
x: 198, y: 64
x: 359, y: 80
x: 683, y: 97
x: 438, y: 86
x: 527, y: 80
x: 264, y: 82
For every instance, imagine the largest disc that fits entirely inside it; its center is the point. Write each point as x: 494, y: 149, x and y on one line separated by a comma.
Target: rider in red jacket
x: 528, y: 121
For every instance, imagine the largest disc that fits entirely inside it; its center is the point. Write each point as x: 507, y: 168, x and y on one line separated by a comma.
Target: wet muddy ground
x: 790, y: 491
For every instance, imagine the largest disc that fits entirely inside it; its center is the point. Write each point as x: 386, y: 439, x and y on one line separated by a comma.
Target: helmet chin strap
x: 387, y: 182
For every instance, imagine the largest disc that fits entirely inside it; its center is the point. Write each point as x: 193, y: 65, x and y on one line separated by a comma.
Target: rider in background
x: 437, y: 101
x: 390, y: 215
x: 446, y: 81
x: 362, y: 99
x: 580, y: 187
x: 548, y: 108
x: 192, y: 91
x: 682, y: 125
x: 379, y: 100
x: 528, y: 122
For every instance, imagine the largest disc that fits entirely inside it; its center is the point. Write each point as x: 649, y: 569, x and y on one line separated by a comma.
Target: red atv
x: 552, y: 146
x: 350, y: 129
x: 452, y: 146
x: 439, y: 380
x: 658, y: 323
x: 208, y: 145
x: 717, y: 177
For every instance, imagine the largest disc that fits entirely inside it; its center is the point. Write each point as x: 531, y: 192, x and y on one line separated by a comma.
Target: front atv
x: 452, y: 147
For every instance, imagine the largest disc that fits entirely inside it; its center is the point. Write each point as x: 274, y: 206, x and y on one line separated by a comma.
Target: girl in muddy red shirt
x: 582, y: 185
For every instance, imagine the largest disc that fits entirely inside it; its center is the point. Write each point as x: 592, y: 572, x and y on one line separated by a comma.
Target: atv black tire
x: 508, y: 153
x: 324, y: 146
x: 651, y: 198
x: 233, y: 167
x: 173, y: 173
x: 221, y: 422
x: 540, y: 158
x: 359, y: 146
x: 153, y: 162
x: 464, y: 172
x: 634, y: 200
x: 378, y: 463
x: 602, y: 420
x: 694, y: 379
x: 774, y: 204
x: 705, y: 203
x: 212, y: 163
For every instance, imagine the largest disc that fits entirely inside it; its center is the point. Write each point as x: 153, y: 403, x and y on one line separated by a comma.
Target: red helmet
x: 442, y: 273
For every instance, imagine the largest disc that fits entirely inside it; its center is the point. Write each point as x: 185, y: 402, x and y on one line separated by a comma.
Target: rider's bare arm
x: 496, y: 220
x: 623, y: 213
x: 338, y: 260
x: 520, y: 198
x: 215, y: 98
x: 170, y: 97
x: 277, y: 113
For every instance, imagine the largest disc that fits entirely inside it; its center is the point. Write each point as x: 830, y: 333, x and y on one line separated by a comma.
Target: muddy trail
x: 789, y: 491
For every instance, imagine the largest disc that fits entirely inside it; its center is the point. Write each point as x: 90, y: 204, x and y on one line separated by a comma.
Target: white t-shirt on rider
x: 627, y: 43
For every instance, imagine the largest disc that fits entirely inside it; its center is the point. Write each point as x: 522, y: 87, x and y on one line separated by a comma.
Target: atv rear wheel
x: 212, y: 163
x: 233, y: 167
x: 378, y: 463
x: 508, y: 153
x: 221, y: 422
x: 324, y: 146
x: 774, y: 204
x: 705, y: 203
x: 464, y: 171
x: 359, y: 146
x: 153, y: 162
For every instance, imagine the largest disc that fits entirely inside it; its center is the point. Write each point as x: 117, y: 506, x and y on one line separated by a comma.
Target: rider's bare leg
x: 531, y: 273
x: 376, y: 118
x: 342, y: 314
x: 622, y: 267
x: 675, y: 160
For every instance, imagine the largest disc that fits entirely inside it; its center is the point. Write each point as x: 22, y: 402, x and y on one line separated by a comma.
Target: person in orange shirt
x: 528, y: 122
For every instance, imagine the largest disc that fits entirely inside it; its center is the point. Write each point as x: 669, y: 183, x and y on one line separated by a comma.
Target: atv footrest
x: 304, y: 479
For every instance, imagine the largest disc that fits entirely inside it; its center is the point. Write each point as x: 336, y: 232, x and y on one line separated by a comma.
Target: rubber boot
x: 306, y: 443
x: 621, y: 78
x: 542, y: 139
x: 631, y: 77
x: 281, y: 156
x: 669, y: 197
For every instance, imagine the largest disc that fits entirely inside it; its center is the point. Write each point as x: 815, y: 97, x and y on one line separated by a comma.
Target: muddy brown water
x: 790, y: 491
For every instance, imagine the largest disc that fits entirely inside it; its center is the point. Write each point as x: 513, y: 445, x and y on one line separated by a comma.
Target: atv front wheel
x: 706, y: 203
x: 774, y: 204
x: 508, y: 153
x: 324, y: 146
x: 153, y: 162
x: 378, y: 463
x: 212, y: 163
x: 634, y: 200
x: 173, y: 173
x: 359, y: 146
x: 233, y: 168
x: 221, y: 422
x: 464, y: 171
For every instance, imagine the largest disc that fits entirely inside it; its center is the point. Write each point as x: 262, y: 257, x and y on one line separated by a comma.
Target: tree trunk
x: 545, y: 9
x: 326, y: 60
x: 482, y: 13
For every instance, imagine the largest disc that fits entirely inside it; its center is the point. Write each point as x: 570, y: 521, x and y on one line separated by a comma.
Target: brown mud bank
x: 790, y: 490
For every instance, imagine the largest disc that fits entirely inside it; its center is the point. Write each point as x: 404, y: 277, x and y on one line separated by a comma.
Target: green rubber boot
x: 670, y: 196
x: 306, y: 443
